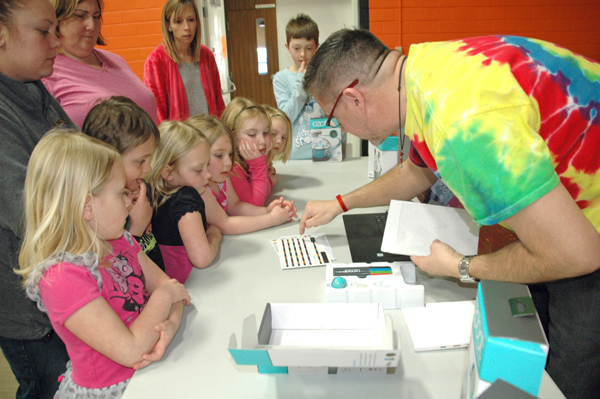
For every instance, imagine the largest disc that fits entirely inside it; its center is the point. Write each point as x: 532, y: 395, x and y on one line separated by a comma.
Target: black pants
x: 36, y: 364
x: 570, y: 314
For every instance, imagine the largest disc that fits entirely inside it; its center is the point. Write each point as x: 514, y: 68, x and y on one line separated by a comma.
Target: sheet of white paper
x: 411, y: 228
x: 440, y: 325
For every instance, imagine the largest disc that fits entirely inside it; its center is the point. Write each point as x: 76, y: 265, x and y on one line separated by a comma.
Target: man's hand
x: 318, y: 213
x: 443, y: 260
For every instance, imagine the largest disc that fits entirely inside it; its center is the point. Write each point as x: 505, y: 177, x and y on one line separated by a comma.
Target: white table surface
x: 246, y: 276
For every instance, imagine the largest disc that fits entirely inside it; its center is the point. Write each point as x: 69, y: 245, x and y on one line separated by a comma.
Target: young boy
x: 121, y: 123
x: 302, y: 40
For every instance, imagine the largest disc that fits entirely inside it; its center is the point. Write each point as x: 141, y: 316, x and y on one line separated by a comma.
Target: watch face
x: 463, y: 270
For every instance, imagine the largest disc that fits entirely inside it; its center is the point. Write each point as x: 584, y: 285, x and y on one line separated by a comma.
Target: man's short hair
x: 346, y: 55
x: 302, y: 27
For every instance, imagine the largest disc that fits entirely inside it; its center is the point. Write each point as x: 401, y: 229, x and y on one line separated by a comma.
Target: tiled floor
x: 8, y: 384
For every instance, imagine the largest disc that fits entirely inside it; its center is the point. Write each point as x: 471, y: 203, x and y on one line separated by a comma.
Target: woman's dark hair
x: 6, y: 11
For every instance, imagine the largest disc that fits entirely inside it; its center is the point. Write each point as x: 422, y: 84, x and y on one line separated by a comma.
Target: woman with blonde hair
x: 84, y: 74
x: 182, y: 72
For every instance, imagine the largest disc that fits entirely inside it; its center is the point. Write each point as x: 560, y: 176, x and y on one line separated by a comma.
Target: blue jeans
x: 36, y: 364
x: 570, y: 314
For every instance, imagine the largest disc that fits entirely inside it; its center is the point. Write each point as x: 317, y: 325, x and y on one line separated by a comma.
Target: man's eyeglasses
x: 328, y: 123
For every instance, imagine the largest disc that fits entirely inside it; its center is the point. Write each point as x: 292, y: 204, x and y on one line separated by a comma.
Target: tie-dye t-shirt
x: 501, y: 119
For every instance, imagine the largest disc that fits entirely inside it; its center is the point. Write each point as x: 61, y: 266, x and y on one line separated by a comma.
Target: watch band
x: 463, y: 270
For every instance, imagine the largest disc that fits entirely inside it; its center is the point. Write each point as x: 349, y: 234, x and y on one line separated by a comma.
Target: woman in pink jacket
x: 182, y: 72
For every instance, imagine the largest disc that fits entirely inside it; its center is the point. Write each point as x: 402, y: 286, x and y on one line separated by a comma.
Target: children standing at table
x: 281, y: 129
x: 250, y: 126
x: 123, y: 124
x: 302, y: 41
x: 223, y: 207
x: 178, y: 178
x: 109, y: 303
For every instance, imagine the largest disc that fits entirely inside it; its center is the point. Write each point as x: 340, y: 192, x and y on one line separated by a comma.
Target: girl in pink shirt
x: 251, y: 127
x: 114, y: 309
x: 223, y: 206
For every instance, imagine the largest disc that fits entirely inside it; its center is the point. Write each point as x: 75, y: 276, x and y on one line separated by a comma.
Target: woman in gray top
x: 28, y: 45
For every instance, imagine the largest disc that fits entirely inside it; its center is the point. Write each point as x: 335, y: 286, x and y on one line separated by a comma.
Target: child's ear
x: 88, y: 209
x: 287, y: 46
x: 167, y: 173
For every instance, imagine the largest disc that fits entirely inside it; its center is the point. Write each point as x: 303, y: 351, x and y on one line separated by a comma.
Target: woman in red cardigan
x: 182, y: 72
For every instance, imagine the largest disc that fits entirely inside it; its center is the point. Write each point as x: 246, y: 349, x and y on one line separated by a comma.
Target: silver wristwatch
x: 463, y: 270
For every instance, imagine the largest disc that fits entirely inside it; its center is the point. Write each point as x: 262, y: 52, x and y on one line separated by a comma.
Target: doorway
x: 252, y: 44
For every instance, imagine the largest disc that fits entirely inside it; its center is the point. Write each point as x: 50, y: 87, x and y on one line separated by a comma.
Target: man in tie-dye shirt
x: 512, y: 126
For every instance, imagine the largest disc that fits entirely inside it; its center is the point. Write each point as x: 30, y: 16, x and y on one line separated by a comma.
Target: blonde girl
x: 112, y: 307
x: 178, y: 179
x: 281, y: 128
x: 223, y: 207
x: 251, y: 128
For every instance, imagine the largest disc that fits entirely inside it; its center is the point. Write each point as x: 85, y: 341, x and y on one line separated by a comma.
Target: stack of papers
x: 440, y: 325
x: 411, y: 227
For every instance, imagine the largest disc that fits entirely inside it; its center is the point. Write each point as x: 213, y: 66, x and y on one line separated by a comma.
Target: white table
x: 246, y: 276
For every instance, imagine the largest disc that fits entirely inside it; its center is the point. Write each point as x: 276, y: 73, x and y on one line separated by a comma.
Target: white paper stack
x: 411, y: 227
x: 440, y: 325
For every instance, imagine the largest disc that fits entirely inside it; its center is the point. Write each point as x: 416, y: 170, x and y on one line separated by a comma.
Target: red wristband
x: 339, y: 198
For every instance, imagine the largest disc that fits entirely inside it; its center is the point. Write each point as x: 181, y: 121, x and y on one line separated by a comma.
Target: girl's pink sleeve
x: 65, y: 289
x: 255, y: 189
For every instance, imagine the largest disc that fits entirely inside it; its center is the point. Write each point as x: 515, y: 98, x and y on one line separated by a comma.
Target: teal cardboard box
x: 319, y: 338
x: 327, y: 142
x: 385, y: 156
x: 508, y: 341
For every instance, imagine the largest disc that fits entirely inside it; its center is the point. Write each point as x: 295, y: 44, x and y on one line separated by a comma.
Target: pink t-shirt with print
x: 67, y: 287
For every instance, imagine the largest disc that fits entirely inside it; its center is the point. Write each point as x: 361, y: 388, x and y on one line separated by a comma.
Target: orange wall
x: 574, y: 24
x: 132, y: 29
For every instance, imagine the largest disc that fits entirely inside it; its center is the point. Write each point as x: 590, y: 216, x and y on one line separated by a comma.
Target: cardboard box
x: 385, y: 156
x: 391, y: 290
x: 328, y: 143
x: 319, y: 338
x: 507, y: 341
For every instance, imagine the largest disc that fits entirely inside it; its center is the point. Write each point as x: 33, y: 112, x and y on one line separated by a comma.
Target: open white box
x: 319, y: 338
x: 389, y: 289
